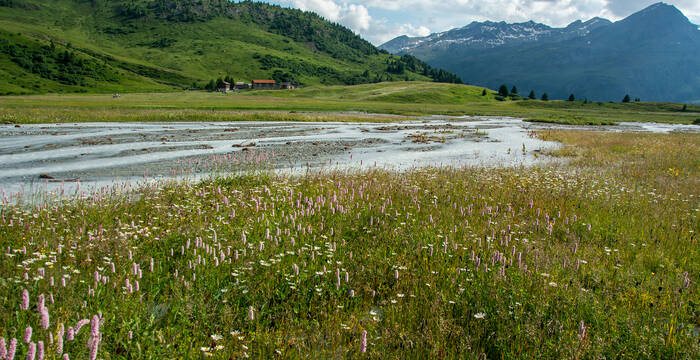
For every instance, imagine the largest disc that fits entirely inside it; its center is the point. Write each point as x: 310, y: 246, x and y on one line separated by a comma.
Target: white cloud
x: 356, y: 17
x: 383, y: 31
x: 326, y: 8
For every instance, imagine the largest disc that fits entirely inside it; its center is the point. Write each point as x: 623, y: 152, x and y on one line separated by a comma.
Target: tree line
x: 505, y: 94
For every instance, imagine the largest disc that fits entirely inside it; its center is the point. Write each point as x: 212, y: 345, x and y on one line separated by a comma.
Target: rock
x: 46, y: 176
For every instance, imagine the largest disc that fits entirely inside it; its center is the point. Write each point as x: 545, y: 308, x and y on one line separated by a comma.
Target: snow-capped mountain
x: 494, y: 34
x: 653, y: 54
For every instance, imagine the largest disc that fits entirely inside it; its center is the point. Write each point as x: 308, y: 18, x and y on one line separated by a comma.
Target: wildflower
x: 31, y: 351
x: 12, y: 349
x: 27, y: 335
x: 582, y: 331
x: 80, y: 324
x: 363, y: 343
x: 44, y: 315
x: 3, y: 348
x: 93, y: 344
x: 95, y: 326
x: 25, y: 300
x: 59, y: 344
x: 480, y: 315
x: 216, y: 337
x: 40, y: 350
x: 251, y: 313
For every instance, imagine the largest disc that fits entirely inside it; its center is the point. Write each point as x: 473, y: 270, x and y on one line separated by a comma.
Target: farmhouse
x: 224, y: 87
x: 241, y: 85
x: 288, y: 86
x: 265, y: 85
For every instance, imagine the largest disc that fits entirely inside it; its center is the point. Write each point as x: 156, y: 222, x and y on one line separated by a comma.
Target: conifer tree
x: 503, y: 90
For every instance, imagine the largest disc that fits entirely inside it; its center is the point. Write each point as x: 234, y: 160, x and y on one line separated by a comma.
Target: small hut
x: 265, y: 85
x: 224, y: 87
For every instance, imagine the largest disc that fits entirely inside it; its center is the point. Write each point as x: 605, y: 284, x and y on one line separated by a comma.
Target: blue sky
x: 381, y: 20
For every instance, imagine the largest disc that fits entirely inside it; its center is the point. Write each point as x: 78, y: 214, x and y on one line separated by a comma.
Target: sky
x: 382, y: 20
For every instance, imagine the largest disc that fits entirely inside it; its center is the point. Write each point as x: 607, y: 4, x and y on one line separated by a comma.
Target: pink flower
x: 59, y: 342
x: 44, y: 314
x: 27, y: 335
x: 3, y: 348
x: 95, y: 326
x: 31, y: 352
x: 93, y: 344
x: 25, y: 300
x: 40, y: 350
x: 11, y: 351
x: 80, y: 324
x: 363, y: 343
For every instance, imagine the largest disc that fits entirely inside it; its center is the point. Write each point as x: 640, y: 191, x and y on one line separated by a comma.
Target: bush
x: 500, y: 98
x: 697, y: 121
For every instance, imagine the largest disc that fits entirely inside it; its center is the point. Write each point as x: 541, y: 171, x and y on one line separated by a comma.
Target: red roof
x: 264, y: 81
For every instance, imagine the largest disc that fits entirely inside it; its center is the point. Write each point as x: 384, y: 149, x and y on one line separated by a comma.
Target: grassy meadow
x: 594, y: 258
x: 409, y: 99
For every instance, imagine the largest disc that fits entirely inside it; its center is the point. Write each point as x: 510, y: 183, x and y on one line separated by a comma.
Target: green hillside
x: 104, y: 46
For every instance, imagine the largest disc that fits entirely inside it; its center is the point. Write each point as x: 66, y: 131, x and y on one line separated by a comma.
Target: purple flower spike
x: 40, y: 350
x: 95, y: 326
x: 11, y: 351
x: 25, y: 300
x: 363, y: 343
x: 3, y: 348
x: 31, y: 352
x: 27, y: 335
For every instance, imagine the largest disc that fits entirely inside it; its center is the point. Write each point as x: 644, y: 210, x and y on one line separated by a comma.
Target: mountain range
x: 104, y: 46
x: 653, y: 54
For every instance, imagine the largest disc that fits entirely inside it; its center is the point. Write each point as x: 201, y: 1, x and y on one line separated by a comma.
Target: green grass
x: 400, y: 98
x: 618, y: 254
x: 154, y: 53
